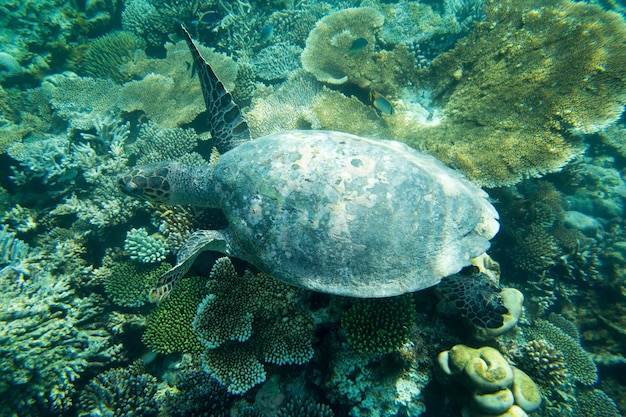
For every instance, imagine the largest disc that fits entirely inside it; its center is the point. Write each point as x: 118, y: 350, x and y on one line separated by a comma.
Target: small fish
x: 192, y: 67
x: 381, y: 103
x: 208, y: 18
x: 358, y: 45
x: 266, y: 33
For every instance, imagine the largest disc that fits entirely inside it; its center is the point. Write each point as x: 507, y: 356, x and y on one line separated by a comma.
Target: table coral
x: 519, y: 83
x: 327, y: 53
x: 248, y: 319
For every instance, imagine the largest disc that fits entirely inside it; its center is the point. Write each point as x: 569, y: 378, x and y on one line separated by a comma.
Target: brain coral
x: 515, y: 88
x: 379, y: 325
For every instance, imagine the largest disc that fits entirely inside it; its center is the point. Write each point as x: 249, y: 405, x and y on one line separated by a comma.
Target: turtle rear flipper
x: 203, y: 240
x: 476, y: 297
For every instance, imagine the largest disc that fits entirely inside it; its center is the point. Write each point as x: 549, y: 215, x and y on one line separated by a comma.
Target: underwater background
x: 524, y: 97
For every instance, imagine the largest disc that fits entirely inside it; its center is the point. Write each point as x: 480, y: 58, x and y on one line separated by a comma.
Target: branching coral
x: 247, y: 319
x: 147, y: 249
x: 169, y: 325
x: 304, y: 407
x: 122, y: 392
x: 197, y: 394
x: 127, y: 284
x: 48, y: 338
x: 381, y: 325
x: 578, y: 360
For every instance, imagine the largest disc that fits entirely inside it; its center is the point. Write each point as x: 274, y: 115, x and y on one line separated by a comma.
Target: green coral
x: 579, y: 363
x: 169, y: 325
x: 595, y: 403
x: 128, y: 284
x: 197, y: 394
x: 250, y: 319
x: 379, y: 325
x: 120, y: 392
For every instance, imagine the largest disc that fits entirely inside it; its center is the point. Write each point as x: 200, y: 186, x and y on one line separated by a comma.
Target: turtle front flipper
x: 203, y: 240
x: 476, y: 297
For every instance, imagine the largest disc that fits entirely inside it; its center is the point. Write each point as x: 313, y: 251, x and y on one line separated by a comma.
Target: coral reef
x: 579, y: 363
x: 106, y: 55
x: 169, y: 325
x: 245, y: 320
x: 507, y: 115
x: 197, y: 394
x: 328, y: 54
x: 123, y: 392
x: 128, y: 284
x: 497, y: 386
x: 305, y: 408
x: 379, y: 325
x: 48, y: 336
x: 147, y: 249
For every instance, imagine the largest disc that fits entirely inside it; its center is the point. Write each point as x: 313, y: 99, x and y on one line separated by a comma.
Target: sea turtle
x: 327, y: 211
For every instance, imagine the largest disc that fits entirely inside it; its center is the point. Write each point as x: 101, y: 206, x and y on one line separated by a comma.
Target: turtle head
x: 149, y: 182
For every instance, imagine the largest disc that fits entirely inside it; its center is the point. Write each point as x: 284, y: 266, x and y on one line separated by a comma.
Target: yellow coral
x: 519, y: 84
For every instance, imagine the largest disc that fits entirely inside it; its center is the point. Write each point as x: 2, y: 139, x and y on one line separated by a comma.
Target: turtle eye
x: 129, y: 187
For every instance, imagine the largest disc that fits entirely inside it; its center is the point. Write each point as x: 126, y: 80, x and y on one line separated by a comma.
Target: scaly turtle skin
x: 327, y: 211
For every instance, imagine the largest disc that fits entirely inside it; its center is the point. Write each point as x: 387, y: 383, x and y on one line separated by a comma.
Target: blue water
x: 525, y: 99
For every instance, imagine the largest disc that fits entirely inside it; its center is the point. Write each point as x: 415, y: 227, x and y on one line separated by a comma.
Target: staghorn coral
x: 120, y: 392
x: 513, y: 90
x: 147, y: 249
x: 169, y: 325
x: 379, y: 325
x: 106, y: 54
x: 249, y: 319
x: 127, y: 284
x: 535, y: 251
